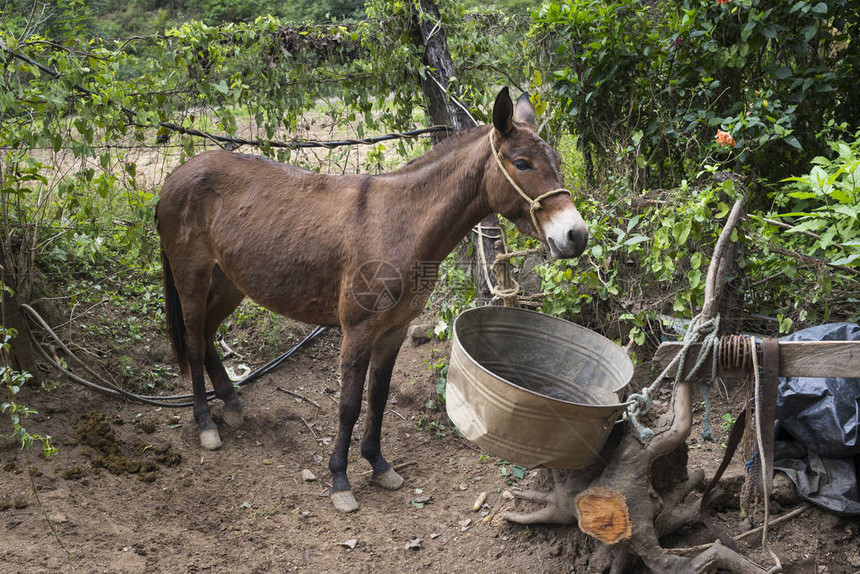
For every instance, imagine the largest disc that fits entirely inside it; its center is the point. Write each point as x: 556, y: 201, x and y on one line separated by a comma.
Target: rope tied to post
x: 510, y: 294
x: 704, y: 330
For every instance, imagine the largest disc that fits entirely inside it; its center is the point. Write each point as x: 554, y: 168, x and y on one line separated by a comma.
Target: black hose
x: 155, y: 401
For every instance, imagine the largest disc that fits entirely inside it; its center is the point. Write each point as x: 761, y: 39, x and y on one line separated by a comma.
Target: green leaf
x: 793, y: 142
x: 770, y: 31
x: 681, y: 231
x: 695, y: 277
x: 847, y: 260
x: 782, y: 73
x: 636, y: 239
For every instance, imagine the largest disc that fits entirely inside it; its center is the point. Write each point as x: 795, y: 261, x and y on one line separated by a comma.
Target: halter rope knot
x: 534, y: 204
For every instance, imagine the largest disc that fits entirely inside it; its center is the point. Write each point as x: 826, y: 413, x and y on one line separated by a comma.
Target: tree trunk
x: 21, y: 352
x: 445, y: 110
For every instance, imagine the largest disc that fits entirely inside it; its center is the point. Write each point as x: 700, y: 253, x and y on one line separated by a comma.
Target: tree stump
x: 603, y: 514
x: 614, y: 500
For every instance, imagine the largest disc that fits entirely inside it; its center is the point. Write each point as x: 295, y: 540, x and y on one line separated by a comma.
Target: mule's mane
x: 442, y: 149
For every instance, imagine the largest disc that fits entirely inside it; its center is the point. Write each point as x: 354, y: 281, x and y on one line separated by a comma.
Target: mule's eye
x: 522, y: 165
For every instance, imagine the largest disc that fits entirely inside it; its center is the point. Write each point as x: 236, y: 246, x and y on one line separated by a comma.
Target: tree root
x: 614, y: 501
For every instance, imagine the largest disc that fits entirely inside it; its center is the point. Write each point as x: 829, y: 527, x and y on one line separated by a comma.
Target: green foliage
x: 12, y: 381
x: 826, y: 203
x: 811, y: 271
x: 648, y: 255
x: 646, y: 86
x: 62, y: 19
x: 645, y: 89
x: 455, y: 292
x: 439, y: 368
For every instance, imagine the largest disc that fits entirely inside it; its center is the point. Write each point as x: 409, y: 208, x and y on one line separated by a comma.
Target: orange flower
x: 725, y: 138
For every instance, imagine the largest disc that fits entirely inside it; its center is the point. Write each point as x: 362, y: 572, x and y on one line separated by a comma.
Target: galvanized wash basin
x: 533, y: 389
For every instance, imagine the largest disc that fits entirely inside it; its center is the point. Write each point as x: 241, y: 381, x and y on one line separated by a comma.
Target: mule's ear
x: 503, y: 112
x: 524, y: 111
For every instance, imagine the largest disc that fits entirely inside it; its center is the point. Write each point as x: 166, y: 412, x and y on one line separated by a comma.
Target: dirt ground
x: 131, y: 490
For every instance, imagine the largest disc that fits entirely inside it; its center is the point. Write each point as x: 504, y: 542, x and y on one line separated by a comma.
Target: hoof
x: 344, y: 501
x: 388, y: 480
x: 210, y: 440
x: 232, y: 418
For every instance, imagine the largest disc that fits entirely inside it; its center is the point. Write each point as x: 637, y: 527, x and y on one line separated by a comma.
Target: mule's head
x: 525, y: 184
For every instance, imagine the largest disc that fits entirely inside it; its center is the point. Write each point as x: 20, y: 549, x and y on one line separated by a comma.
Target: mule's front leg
x: 382, y: 365
x: 354, y: 359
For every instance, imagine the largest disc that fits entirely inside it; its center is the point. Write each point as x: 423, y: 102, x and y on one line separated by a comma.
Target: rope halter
x: 534, y: 204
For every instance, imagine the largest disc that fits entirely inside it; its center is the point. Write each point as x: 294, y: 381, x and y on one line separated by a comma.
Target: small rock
x: 349, y: 543
x: 435, y: 535
x: 418, y: 334
x: 414, y: 544
x: 58, y: 518
x: 308, y: 476
x: 465, y: 525
x: 479, y: 502
x: 784, y: 490
x: 507, y: 495
x: 268, y: 461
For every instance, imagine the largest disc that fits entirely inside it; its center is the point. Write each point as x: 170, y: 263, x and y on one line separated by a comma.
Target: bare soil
x: 132, y: 491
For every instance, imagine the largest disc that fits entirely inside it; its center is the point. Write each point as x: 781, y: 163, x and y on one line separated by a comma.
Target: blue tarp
x: 818, y: 430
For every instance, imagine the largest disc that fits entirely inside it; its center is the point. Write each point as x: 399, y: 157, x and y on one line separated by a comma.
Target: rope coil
x: 641, y: 402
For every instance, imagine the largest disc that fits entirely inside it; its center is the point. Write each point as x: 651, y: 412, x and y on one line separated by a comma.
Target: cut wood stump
x: 603, y: 514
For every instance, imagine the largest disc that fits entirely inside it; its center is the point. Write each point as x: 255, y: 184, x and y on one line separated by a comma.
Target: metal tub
x: 533, y: 389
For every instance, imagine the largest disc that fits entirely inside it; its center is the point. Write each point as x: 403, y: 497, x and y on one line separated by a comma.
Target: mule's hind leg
x: 193, y: 283
x: 381, y: 366
x: 223, y: 298
x: 354, y: 359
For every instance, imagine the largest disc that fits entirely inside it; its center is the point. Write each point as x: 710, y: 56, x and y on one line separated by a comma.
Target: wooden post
x: 796, y: 358
x: 445, y: 109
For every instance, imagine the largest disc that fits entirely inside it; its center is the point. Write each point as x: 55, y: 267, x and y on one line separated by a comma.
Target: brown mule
x: 357, y: 251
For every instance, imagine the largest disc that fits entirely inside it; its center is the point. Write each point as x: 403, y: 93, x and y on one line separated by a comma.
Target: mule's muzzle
x: 567, y: 241
x: 577, y: 240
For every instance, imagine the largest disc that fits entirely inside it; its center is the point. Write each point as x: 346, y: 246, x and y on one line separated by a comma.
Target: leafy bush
x: 811, y: 237
x: 826, y: 203
x: 646, y: 86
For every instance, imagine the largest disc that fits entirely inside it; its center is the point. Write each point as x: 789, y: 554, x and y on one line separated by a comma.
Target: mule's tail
x: 173, y: 312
